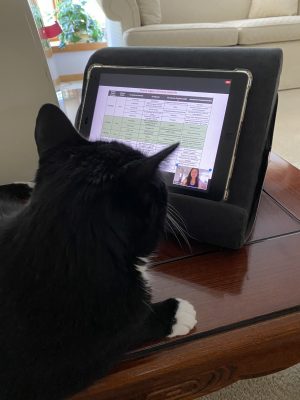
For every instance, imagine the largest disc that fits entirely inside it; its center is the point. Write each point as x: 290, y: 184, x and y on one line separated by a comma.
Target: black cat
x: 13, y: 197
x: 73, y: 290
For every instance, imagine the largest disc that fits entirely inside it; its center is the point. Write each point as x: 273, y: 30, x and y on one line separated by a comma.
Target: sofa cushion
x: 196, y: 11
x: 185, y: 35
x: 266, y: 30
x: 272, y: 8
x: 150, y: 11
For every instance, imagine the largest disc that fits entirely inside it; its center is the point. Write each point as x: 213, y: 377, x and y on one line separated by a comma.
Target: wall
x: 25, y: 84
x: 73, y: 62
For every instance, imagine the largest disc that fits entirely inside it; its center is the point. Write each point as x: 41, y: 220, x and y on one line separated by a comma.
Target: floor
x: 69, y: 98
x: 284, y: 385
x: 286, y: 142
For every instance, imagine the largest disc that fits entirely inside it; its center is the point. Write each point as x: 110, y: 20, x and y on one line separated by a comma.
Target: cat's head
x: 107, y: 186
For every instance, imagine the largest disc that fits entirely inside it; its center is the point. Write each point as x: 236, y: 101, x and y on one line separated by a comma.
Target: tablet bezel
x: 240, y: 84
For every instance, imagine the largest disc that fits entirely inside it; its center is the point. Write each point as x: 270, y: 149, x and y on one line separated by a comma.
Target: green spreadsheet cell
x: 153, y: 131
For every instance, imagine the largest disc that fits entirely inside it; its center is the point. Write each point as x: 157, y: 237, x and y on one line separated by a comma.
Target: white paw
x: 185, y: 319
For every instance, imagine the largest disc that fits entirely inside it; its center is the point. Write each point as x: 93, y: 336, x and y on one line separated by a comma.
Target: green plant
x: 75, y: 23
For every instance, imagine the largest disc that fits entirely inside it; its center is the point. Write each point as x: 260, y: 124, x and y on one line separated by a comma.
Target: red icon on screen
x: 228, y: 82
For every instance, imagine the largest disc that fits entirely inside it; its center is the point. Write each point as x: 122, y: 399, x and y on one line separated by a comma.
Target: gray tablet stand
x: 226, y: 224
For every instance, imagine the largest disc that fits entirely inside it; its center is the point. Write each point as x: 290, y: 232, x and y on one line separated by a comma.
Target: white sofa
x: 199, y: 23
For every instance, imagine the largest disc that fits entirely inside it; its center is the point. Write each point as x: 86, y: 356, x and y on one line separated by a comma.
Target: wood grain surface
x: 272, y: 221
x: 229, y: 287
x: 203, y: 366
x: 283, y: 184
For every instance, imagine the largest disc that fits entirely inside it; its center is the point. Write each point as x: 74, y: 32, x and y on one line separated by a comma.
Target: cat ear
x: 142, y: 170
x: 52, y: 128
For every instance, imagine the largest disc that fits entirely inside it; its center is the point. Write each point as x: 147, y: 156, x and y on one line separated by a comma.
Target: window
x: 47, y: 9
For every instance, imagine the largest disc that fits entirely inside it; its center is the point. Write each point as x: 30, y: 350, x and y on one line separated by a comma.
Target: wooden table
x: 247, y: 302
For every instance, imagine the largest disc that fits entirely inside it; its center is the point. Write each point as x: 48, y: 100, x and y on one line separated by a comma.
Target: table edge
x: 205, y: 365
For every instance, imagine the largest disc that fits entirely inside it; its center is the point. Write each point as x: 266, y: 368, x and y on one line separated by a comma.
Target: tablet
x: 149, y: 108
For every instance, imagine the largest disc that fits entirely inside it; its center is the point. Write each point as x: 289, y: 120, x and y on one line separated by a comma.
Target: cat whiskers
x: 170, y: 226
x: 177, y: 225
x: 176, y: 214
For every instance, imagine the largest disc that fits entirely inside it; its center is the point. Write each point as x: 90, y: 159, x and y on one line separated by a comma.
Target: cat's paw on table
x: 185, y: 319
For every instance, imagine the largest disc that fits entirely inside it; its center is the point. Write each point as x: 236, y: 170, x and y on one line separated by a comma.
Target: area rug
x: 284, y: 385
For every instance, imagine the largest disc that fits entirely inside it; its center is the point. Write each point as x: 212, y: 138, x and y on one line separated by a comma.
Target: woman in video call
x: 192, y: 179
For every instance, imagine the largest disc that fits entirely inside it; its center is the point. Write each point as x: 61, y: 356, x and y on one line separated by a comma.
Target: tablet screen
x: 151, y: 112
